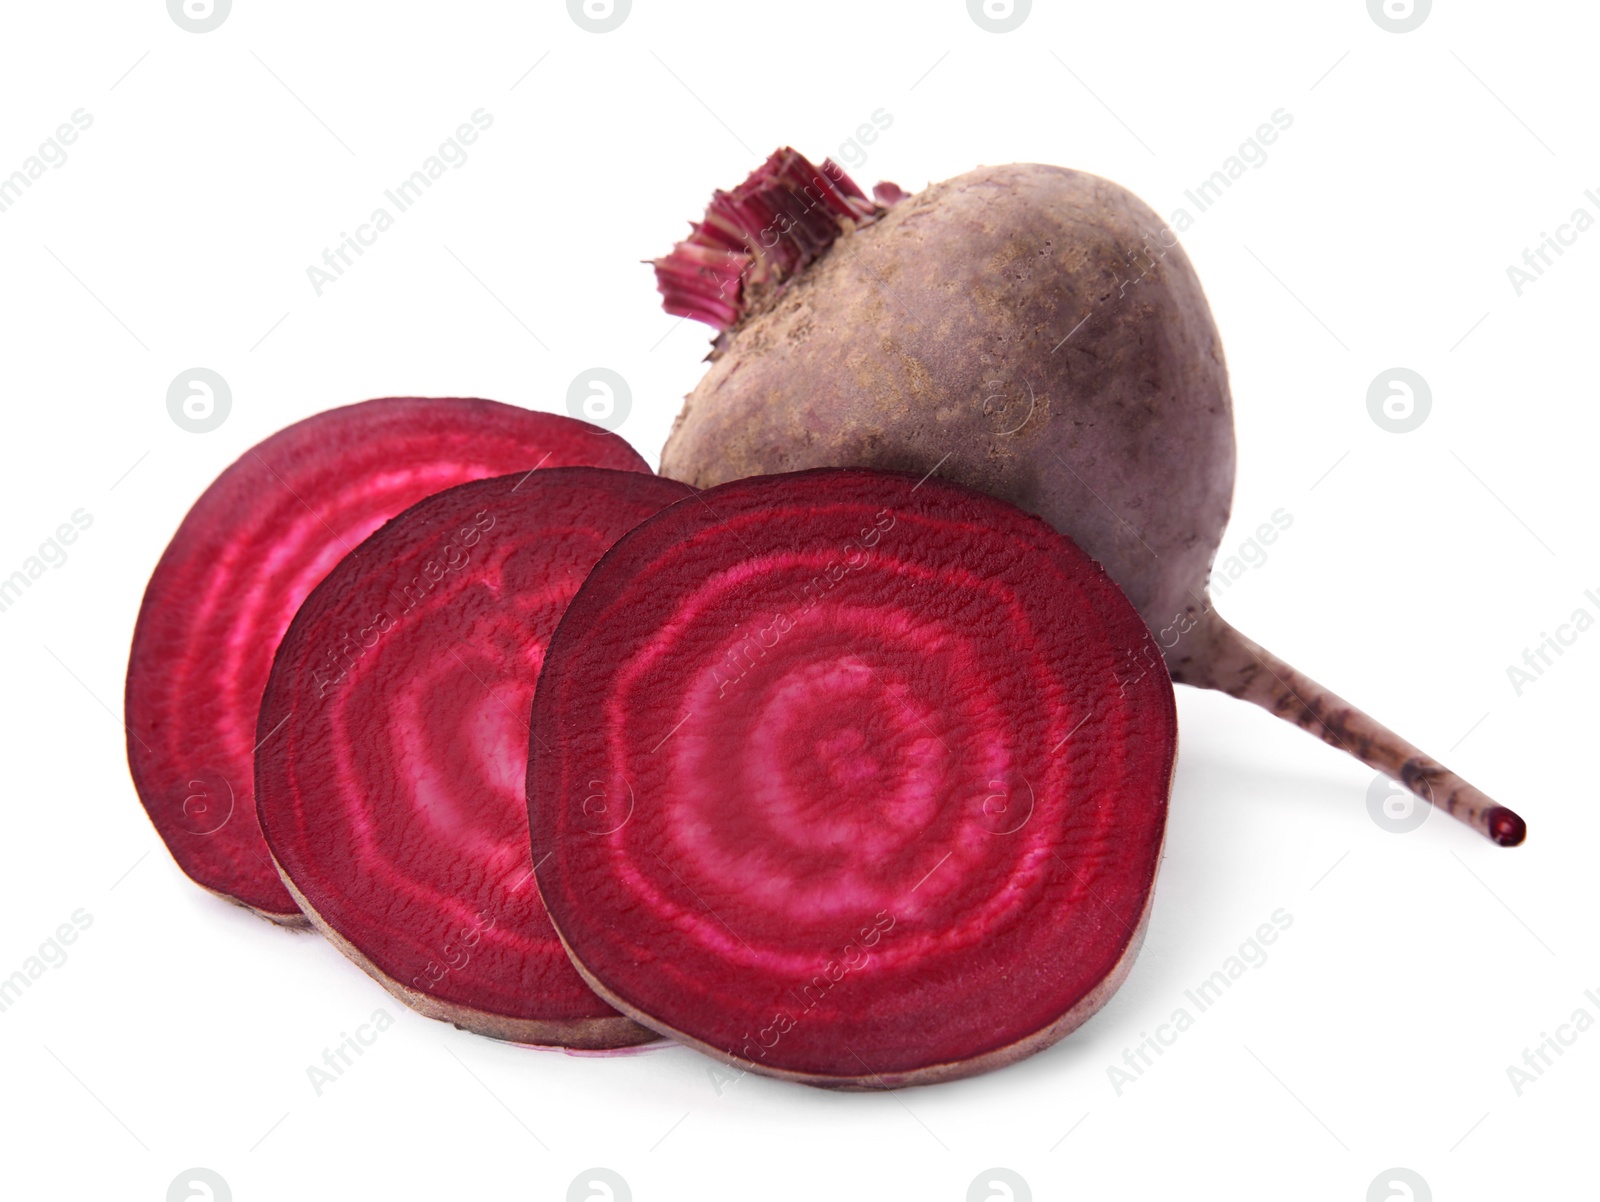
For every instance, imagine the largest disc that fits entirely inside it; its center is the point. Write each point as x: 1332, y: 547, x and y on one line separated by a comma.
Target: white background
x: 1418, y: 567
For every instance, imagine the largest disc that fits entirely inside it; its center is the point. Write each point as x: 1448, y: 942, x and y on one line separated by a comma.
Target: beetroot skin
x: 392, y: 793
x: 248, y: 552
x: 851, y: 779
x: 1027, y: 330
x: 939, y: 334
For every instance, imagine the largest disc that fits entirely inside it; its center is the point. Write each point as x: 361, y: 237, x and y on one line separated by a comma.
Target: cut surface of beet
x: 392, y: 795
x: 851, y: 778
x: 246, y: 555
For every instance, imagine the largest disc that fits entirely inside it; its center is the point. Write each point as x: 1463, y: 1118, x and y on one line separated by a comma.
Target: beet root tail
x: 1224, y: 659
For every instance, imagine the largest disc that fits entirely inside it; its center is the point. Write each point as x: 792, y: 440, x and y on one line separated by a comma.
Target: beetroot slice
x: 392, y: 797
x: 851, y: 779
x: 250, y: 550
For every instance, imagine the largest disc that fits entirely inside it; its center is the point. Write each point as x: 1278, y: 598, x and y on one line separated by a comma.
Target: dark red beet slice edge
x: 851, y: 779
x: 392, y: 795
x: 246, y: 555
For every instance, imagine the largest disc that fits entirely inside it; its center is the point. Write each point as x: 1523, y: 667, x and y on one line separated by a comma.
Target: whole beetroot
x: 1027, y: 330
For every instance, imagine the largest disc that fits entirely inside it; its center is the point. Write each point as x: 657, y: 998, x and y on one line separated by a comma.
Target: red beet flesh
x: 250, y: 550
x: 392, y: 795
x: 851, y: 779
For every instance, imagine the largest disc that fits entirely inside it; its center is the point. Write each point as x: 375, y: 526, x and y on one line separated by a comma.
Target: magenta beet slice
x: 393, y: 793
x: 250, y: 550
x: 851, y: 779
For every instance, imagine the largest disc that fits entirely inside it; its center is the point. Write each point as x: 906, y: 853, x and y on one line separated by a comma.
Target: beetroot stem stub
x: 851, y: 777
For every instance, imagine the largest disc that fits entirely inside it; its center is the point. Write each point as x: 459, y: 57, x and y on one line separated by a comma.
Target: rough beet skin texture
x: 246, y: 555
x: 851, y: 779
x: 1027, y: 330
x: 1012, y: 327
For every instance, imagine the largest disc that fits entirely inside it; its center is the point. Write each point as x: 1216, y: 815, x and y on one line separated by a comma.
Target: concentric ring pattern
x: 247, y: 554
x: 393, y: 794
x: 855, y: 775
